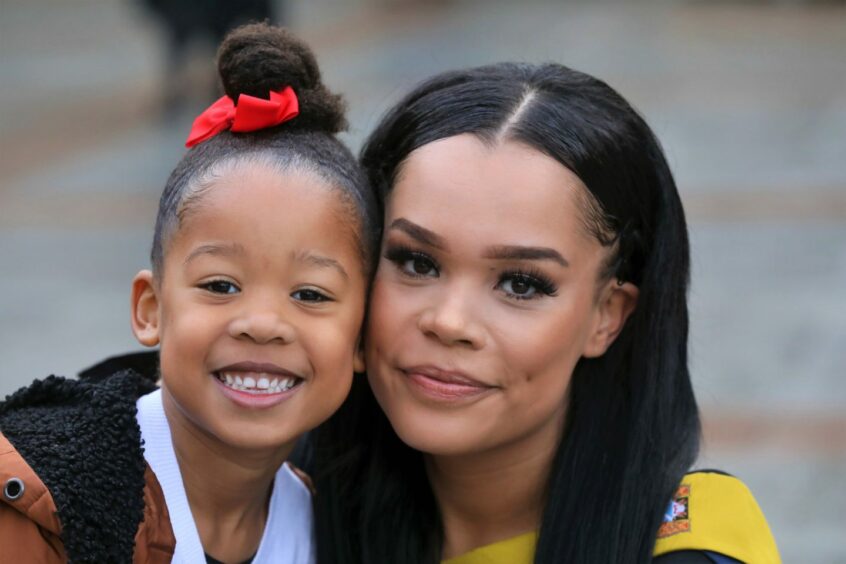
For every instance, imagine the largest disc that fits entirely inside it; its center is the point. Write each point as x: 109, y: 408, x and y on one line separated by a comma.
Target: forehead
x: 508, y: 189
x: 269, y: 212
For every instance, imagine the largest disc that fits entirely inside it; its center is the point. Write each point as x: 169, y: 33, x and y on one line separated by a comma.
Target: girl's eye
x: 220, y: 287
x: 412, y: 263
x: 310, y: 295
x: 524, y: 286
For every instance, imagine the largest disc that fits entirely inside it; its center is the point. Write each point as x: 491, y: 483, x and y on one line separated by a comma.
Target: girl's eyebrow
x: 421, y: 234
x: 218, y: 249
x: 321, y: 261
x: 518, y: 252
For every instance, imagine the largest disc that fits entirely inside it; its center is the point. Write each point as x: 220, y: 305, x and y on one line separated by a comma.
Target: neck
x: 228, y: 489
x: 493, y: 495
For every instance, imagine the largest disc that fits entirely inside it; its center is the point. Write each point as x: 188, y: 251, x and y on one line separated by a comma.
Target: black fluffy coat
x: 81, y: 437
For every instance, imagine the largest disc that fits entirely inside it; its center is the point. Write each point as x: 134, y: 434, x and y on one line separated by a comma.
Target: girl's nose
x: 262, y: 327
x: 452, y: 322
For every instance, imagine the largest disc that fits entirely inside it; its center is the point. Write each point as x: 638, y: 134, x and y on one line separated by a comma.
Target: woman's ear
x: 617, y: 302
x: 358, y: 356
x: 145, y: 309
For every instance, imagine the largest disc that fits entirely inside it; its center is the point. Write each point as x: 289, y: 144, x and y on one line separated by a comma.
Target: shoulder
x: 716, y: 512
x: 154, y: 540
x: 29, y: 527
x: 76, y: 417
x: 81, y: 439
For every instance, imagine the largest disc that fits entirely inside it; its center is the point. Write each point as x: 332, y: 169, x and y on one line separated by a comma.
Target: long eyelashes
x: 310, y: 295
x: 520, y: 284
x: 526, y: 284
x: 223, y: 287
x: 220, y: 286
x: 412, y: 263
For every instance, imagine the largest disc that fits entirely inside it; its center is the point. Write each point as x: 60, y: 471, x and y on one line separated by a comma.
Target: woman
x: 528, y: 396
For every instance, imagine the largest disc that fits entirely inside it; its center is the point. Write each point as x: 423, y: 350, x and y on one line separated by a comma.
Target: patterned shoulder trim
x: 716, y: 512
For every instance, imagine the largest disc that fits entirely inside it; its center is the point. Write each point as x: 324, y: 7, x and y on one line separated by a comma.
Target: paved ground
x: 749, y: 101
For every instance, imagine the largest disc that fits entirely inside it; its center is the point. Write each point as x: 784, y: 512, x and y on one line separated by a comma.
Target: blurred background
x: 748, y: 98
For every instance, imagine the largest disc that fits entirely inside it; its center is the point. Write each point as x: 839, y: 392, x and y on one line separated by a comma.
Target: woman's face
x: 486, y: 295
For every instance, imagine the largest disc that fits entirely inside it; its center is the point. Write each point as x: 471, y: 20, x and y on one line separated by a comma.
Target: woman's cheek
x: 389, y: 306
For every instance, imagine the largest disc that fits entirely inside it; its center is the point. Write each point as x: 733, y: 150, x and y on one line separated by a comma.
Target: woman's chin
x: 436, y: 437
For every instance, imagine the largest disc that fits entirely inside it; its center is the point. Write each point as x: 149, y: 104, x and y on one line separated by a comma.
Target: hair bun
x: 257, y: 58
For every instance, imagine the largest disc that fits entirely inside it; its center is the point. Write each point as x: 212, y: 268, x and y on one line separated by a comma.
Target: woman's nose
x: 452, y: 322
x: 262, y: 327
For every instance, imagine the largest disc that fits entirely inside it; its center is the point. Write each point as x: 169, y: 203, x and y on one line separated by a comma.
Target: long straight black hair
x: 632, y: 425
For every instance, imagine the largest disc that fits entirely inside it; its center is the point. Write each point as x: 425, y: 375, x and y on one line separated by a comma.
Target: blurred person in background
x: 190, y: 23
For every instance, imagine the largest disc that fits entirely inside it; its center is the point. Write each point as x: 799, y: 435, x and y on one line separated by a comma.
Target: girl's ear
x: 145, y: 309
x: 616, y: 304
x: 358, y: 356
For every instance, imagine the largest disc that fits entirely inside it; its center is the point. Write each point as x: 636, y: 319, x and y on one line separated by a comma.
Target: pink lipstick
x: 434, y: 383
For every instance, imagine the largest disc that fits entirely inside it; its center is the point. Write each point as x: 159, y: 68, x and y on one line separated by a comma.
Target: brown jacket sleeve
x: 29, y: 525
x: 154, y: 542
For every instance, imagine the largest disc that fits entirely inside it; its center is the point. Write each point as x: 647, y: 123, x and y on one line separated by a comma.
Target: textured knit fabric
x: 81, y: 440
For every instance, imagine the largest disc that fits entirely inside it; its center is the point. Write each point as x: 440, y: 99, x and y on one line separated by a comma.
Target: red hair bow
x: 250, y: 114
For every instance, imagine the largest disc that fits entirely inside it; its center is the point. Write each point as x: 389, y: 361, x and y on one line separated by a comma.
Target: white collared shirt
x: 287, y: 536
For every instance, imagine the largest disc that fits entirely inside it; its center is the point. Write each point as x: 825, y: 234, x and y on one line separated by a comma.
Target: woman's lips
x: 445, y: 385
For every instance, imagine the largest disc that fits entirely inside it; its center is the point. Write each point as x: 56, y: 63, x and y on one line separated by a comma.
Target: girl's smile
x: 257, y: 385
x: 257, y: 377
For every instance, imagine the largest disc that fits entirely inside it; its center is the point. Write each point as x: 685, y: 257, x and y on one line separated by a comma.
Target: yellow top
x: 710, y: 511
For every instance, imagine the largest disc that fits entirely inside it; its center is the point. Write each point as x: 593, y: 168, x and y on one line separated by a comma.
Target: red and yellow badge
x: 677, y: 517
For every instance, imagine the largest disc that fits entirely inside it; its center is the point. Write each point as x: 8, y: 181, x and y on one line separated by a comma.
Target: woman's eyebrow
x: 419, y: 233
x: 518, y: 252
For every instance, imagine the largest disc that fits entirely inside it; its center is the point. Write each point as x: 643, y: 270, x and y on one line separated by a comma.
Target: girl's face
x: 486, y: 295
x: 258, y: 310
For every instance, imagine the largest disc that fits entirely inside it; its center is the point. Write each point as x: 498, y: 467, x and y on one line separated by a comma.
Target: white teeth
x: 261, y: 384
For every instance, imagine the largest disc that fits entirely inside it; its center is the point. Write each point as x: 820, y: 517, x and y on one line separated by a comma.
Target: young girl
x: 529, y: 398
x: 260, y: 261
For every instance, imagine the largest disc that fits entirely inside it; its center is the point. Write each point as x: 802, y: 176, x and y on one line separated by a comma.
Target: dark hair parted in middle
x: 255, y: 59
x: 632, y: 425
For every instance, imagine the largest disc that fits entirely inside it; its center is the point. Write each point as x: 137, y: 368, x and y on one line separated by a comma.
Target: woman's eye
x: 419, y: 266
x: 526, y: 287
x: 412, y: 263
x: 220, y: 287
x: 310, y: 295
x: 518, y: 286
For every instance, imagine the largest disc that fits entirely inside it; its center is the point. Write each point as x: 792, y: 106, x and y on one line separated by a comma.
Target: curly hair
x: 255, y: 59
